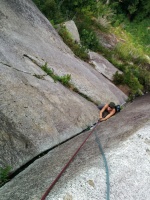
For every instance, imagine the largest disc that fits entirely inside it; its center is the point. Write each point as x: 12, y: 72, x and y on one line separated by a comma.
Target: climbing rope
x: 106, y: 166
x: 67, y: 164
x: 71, y: 159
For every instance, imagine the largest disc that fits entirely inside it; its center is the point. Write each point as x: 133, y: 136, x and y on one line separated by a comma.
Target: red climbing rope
x: 67, y: 164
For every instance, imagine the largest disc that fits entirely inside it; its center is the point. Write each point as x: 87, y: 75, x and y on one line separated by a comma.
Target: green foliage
x: 38, y: 3
x: 128, y: 49
x: 130, y: 26
x: 132, y: 82
x: 89, y: 39
x: 140, y: 32
x: 104, y: 15
x: 144, y: 78
x: 79, y: 50
x: 49, y: 72
x: 48, y: 7
x: 4, y: 172
x: 118, y: 78
x: 128, y: 78
x: 134, y: 10
x: 65, y: 80
x: 51, y: 9
x: 82, y: 7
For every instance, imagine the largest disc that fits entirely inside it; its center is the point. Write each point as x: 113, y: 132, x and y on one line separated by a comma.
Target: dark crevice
x: 35, y: 75
x: 23, y: 167
x: 5, y: 64
x: 15, y: 68
x: 106, y: 77
x: 33, y: 60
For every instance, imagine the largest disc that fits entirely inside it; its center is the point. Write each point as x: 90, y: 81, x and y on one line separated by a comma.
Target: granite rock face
x: 125, y: 142
x: 102, y: 65
x: 36, y: 112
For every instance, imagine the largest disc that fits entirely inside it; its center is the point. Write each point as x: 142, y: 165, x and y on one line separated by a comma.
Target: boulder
x: 102, y: 65
x: 72, y: 29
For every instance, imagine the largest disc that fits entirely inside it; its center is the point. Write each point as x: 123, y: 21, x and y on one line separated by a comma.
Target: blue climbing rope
x: 106, y: 166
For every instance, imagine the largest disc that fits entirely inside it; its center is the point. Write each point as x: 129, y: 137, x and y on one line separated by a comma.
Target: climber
x: 106, y: 111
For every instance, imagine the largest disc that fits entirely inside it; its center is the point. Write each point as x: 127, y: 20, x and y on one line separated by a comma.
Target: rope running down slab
x: 106, y: 166
x: 67, y: 164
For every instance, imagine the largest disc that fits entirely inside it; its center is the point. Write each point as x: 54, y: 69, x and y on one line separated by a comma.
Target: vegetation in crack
x: 65, y: 80
x: 39, y: 76
x: 126, y: 21
x: 4, y: 175
x: 84, y: 95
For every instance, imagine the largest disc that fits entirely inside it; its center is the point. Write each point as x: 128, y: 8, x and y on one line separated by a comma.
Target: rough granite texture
x: 37, y: 113
x: 125, y: 140
x: 102, y: 65
x: 25, y: 31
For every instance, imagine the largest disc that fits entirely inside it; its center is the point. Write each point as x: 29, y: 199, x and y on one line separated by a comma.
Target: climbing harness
x: 71, y: 159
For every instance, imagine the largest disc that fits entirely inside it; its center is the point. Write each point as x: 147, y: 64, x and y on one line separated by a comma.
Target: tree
x: 135, y: 9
